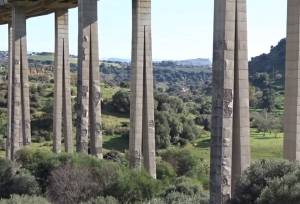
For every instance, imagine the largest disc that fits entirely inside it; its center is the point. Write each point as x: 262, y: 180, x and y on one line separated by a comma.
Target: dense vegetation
x: 182, y: 122
x: 80, y: 178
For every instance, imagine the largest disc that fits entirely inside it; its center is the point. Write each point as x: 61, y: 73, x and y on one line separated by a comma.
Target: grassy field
x: 268, y: 146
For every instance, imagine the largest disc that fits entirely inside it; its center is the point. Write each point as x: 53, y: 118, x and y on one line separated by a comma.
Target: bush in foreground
x: 102, y: 200
x: 72, y: 185
x: 180, y: 198
x: 132, y: 186
x: 186, y: 163
x: 24, y: 200
x: 260, y: 181
x: 282, y: 190
x: 14, y: 180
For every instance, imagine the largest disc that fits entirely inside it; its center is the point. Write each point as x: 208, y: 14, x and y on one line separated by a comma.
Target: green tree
x: 162, y: 130
x: 268, y: 99
x: 121, y: 101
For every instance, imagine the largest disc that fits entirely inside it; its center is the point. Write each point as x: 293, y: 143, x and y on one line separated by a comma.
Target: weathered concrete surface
x: 230, y: 99
x: 9, y: 96
x: 142, y: 129
x: 292, y: 84
x: 89, y: 95
x: 241, y: 120
x: 62, y: 92
x: 21, y: 131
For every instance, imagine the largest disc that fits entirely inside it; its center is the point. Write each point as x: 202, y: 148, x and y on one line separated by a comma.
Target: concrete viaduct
x: 230, y: 145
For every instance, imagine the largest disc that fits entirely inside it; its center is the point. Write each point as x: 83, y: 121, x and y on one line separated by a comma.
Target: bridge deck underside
x: 33, y: 7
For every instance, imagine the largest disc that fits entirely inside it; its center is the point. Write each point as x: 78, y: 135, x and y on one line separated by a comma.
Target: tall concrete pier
x: 241, y: 119
x: 142, y: 129
x: 89, y: 96
x: 62, y: 92
x: 230, y: 151
x: 292, y: 84
x: 20, y: 109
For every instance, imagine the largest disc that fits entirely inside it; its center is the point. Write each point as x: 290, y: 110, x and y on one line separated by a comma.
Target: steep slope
x: 272, y: 62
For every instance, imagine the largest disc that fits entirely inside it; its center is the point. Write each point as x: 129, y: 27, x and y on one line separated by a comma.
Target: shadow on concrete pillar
x: 89, y: 95
x: 9, y: 96
x: 292, y: 84
x: 20, y: 107
x: 142, y: 127
x: 230, y: 150
x: 62, y: 92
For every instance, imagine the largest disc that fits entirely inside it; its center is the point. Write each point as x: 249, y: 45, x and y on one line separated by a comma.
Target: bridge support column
x: 230, y: 151
x: 142, y: 131
x: 292, y: 84
x: 62, y: 92
x: 241, y: 120
x: 20, y: 107
x: 9, y: 96
x: 89, y: 96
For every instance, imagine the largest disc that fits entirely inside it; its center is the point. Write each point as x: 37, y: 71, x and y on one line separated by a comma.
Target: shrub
x: 282, y: 190
x: 40, y: 163
x: 185, y: 163
x: 102, y: 200
x: 257, y: 177
x: 72, y: 185
x: 98, y: 176
x: 15, y: 181
x: 23, y: 184
x: 6, y: 174
x: 116, y: 156
x: 179, y: 198
x: 24, y: 200
x: 134, y: 186
x: 185, y: 186
x: 165, y: 171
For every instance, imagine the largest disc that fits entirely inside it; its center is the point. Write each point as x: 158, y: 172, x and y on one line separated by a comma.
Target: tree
x: 121, y: 101
x: 266, y: 122
x: 162, y: 130
x: 268, y: 99
x: 176, y: 127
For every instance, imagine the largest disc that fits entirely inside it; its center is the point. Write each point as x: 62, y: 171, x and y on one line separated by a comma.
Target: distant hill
x: 272, y: 63
x: 194, y: 62
x: 188, y: 62
x: 117, y: 60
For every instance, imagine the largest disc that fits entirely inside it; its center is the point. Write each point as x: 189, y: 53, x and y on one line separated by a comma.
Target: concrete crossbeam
x: 33, y: 7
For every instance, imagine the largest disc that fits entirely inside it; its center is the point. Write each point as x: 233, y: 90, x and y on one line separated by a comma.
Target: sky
x: 181, y: 29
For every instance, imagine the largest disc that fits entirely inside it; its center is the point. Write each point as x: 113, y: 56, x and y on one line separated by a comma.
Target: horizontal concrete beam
x: 33, y: 7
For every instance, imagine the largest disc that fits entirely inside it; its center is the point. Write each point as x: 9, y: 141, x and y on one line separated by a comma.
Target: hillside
x: 272, y: 63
